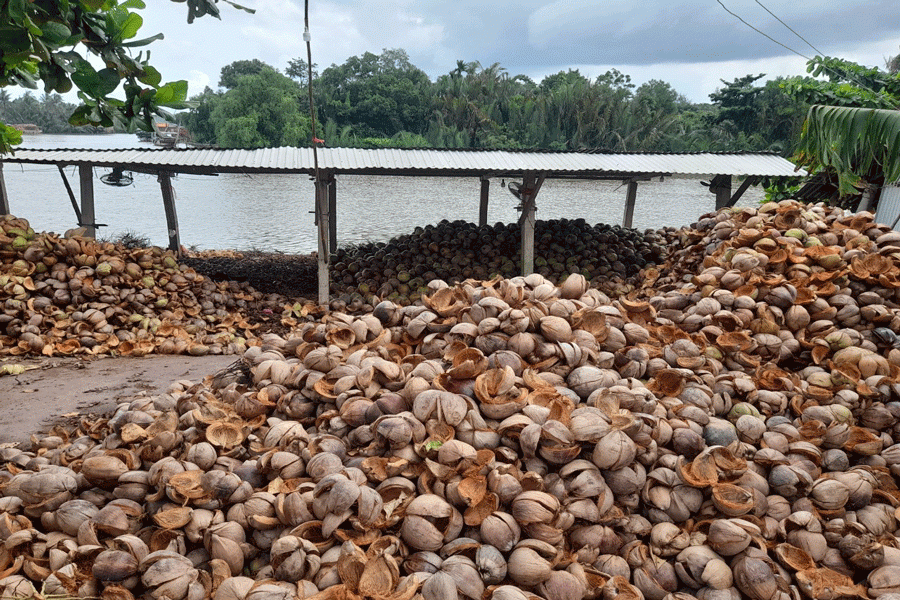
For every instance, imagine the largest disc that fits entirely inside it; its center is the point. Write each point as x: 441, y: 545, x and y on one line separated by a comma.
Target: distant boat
x: 168, y: 135
x: 27, y: 128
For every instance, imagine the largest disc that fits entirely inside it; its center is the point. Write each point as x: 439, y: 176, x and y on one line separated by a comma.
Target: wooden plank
x: 86, y: 181
x: 332, y: 213
x: 630, y: 199
x: 741, y: 189
x: 322, y: 254
x: 483, y: 208
x: 4, y: 198
x: 168, y: 196
x: 71, y: 193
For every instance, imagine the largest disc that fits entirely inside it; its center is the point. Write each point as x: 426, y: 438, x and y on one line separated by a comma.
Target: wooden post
x: 165, y: 184
x: 867, y: 199
x: 86, y: 178
x: 529, y: 189
x: 322, y: 219
x: 722, y: 190
x: 4, y: 198
x: 332, y: 213
x: 482, y: 209
x: 630, y: 199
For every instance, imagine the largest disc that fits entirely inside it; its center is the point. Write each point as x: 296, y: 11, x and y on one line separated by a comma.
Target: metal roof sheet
x: 395, y: 161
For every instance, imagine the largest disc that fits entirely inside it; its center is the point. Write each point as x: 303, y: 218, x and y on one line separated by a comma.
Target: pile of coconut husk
x: 75, y: 295
x: 610, y: 257
x: 735, y: 434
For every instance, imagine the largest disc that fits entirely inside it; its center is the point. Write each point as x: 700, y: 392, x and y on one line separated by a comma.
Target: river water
x: 272, y: 212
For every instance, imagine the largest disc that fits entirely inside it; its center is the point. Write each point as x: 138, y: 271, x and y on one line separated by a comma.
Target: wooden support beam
x: 483, y: 207
x: 332, y: 213
x: 721, y: 187
x: 4, y: 198
x: 71, y: 193
x: 630, y: 199
x: 86, y: 180
x: 168, y: 196
x: 752, y: 180
x: 322, y: 254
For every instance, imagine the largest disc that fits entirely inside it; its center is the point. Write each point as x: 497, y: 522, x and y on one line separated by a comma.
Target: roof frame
x: 531, y: 167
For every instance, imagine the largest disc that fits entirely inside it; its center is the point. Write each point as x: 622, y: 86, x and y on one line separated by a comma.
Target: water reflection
x: 272, y: 212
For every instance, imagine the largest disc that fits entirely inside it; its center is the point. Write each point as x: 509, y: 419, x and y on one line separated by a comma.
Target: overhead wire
x: 819, y: 52
x: 846, y: 75
x: 739, y: 18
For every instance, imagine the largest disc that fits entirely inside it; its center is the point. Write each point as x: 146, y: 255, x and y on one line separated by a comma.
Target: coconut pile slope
x: 65, y: 296
x: 609, y: 256
x: 733, y: 436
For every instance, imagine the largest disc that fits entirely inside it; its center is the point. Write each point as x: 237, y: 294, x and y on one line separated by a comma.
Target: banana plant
x: 851, y: 141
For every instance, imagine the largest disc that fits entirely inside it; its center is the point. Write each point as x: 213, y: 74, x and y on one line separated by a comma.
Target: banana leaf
x: 852, y: 141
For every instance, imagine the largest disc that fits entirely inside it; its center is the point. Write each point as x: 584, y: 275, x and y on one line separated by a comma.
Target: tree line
x: 385, y: 101
x: 50, y: 112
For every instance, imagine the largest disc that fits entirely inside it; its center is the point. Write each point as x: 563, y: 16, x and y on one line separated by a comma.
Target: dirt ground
x: 58, y: 390
x: 61, y: 389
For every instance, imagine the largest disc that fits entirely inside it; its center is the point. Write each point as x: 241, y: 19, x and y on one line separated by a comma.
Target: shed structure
x: 532, y: 167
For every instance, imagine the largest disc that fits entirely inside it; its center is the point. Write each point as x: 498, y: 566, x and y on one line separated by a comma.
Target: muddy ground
x: 61, y: 390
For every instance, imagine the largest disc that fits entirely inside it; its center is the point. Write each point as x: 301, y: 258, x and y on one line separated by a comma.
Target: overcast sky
x: 691, y: 44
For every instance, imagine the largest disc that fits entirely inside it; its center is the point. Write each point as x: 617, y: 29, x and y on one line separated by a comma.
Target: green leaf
x: 172, y: 93
x: 131, y: 26
x: 32, y: 27
x: 143, y: 42
x: 9, y: 137
x: 238, y: 6
x: 852, y: 140
x: 13, y: 40
x: 56, y: 33
x: 151, y: 76
x: 93, y: 5
x: 133, y: 4
x: 16, y: 10
x: 85, y: 77
x: 108, y: 81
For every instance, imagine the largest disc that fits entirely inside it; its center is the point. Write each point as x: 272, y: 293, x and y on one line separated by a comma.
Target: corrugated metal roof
x: 888, y: 205
x: 394, y: 161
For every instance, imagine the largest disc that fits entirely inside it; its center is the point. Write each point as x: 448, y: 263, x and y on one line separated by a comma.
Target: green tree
x: 757, y: 117
x: 47, y: 41
x: 230, y: 74
x: 378, y: 95
x: 199, y: 119
x: 298, y: 69
x: 736, y: 102
x: 262, y: 110
x: 893, y: 64
x: 651, y: 117
x: 839, y: 82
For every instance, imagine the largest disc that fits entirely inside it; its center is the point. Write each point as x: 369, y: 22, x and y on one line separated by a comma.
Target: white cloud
x: 687, y: 43
x: 197, y: 82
